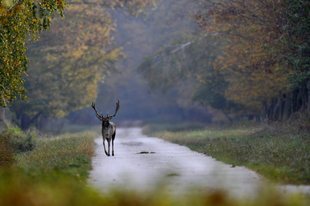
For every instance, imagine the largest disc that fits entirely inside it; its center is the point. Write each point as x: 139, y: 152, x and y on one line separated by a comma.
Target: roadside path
x: 142, y: 163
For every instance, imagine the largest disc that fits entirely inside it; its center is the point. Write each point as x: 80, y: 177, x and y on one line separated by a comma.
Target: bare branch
x: 17, y: 3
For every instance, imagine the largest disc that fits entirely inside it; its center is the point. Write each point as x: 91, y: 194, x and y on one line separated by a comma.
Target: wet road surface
x: 143, y: 163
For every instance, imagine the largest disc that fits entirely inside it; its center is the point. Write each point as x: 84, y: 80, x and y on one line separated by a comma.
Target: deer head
x: 107, y: 118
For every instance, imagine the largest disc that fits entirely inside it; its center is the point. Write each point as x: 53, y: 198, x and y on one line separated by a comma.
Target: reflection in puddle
x: 132, y: 143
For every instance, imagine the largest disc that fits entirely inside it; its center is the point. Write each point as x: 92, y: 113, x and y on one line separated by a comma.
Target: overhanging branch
x: 16, y: 4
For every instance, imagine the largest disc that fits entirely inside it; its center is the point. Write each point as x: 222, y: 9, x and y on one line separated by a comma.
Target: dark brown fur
x: 108, y: 129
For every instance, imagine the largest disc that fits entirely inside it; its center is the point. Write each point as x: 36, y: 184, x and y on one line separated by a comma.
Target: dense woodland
x: 185, y: 60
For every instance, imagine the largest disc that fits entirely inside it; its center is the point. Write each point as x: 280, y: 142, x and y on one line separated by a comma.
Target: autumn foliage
x: 267, y: 54
x: 23, y: 20
x: 17, y: 20
x: 247, y: 56
x: 63, y: 66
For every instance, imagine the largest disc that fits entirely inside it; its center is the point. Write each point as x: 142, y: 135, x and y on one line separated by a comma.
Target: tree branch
x: 35, y: 117
x: 16, y: 3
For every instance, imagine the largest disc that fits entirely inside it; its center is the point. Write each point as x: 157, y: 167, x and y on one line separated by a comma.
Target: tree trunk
x: 265, y: 110
x: 303, y: 99
x: 308, y: 89
x: 276, y: 109
x: 287, y: 106
x: 226, y: 115
x: 294, y: 100
x: 25, y: 122
x: 42, y: 123
x: 281, y: 106
x: 270, y: 110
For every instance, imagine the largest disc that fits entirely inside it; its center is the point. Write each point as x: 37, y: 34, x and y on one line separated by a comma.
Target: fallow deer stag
x: 108, y: 129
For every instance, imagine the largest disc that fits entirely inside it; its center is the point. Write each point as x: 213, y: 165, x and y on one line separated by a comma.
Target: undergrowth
x: 55, y: 171
x: 16, y: 189
x: 13, y: 140
x: 156, y: 129
x: 69, y: 153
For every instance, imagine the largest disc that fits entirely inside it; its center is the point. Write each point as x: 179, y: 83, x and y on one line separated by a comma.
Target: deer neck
x: 105, y: 124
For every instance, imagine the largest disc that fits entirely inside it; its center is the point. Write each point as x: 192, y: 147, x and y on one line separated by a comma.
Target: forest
x: 227, y: 79
x: 171, y: 61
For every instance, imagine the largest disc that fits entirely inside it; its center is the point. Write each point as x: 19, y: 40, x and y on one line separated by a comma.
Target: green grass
x: 55, y: 171
x: 68, y: 154
x: 17, y: 189
x: 275, y: 151
x: 155, y: 129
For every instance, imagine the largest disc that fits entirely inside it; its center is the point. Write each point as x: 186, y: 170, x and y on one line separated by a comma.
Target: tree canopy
x: 67, y: 63
x: 262, y: 55
x: 17, y: 20
x: 25, y: 19
x: 268, y: 42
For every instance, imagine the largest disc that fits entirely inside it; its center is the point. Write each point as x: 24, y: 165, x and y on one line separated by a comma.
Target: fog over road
x: 142, y: 163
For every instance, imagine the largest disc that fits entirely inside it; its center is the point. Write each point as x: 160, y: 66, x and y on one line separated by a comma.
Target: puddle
x: 132, y: 143
x: 172, y: 175
x: 144, y: 152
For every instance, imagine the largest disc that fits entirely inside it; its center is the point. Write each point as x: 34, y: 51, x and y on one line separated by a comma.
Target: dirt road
x: 142, y: 163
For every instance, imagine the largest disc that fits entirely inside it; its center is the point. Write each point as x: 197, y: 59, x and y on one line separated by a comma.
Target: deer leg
x: 113, y: 137
x: 109, y: 141
x: 104, y: 147
x: 112, y: 147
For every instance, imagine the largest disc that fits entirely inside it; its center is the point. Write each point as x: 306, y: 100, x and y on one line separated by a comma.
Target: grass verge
x: 66, y: 154
x: 55, y: 171
x: 276, y: 151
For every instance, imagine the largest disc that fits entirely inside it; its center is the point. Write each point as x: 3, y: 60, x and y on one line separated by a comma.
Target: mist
x: 166, y: 61
x: 140, y: 37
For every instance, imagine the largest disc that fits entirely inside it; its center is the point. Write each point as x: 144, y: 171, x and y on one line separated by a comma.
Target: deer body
x: 108, y: 129
x: 108, y: 132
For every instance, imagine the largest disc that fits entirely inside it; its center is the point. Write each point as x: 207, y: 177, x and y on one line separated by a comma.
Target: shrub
x: 16, y: 140
x: 13, y: 130
x: 24, y: 142
x: 6, y: 153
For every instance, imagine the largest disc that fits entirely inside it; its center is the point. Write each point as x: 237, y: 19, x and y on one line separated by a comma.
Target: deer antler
x: 116, y: 109
x: 100, y: 117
